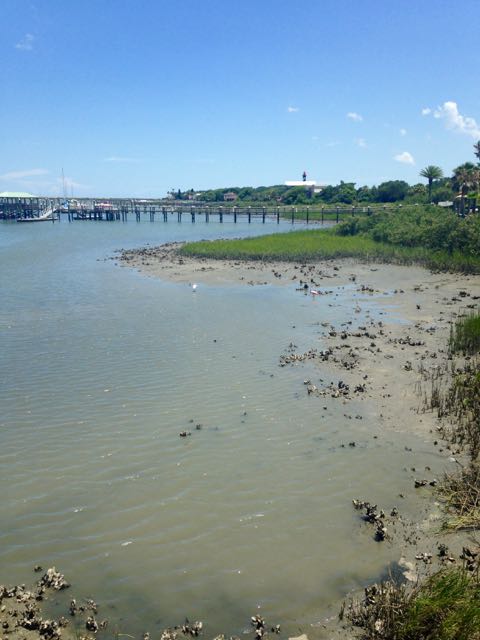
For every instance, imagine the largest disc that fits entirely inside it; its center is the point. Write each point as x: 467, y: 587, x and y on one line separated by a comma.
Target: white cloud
x: 403, y: 132
x: 426, y: 111
x: 361, y: 142
x: 455, y: 121
x: 405, y: 157
x: 26, y: 43
x: 121, y: 159
x: 293, y: 109
x: 333, y: 143
x: 356, y: 117
x: 19, y: 175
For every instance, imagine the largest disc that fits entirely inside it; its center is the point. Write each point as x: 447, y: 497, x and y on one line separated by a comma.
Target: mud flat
x: 410, y: 311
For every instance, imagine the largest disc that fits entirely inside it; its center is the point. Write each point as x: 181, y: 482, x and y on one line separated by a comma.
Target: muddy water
x: 101, y: 368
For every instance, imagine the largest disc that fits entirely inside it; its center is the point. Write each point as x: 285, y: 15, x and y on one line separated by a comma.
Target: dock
x: 117, y: 209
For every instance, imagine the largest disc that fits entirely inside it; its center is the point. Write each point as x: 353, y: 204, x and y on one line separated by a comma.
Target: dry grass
x: 461, y: 493
x: 462, y: 405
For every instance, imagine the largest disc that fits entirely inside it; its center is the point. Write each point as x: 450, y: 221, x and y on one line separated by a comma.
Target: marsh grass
x: 380, y: 612
x: 461, y: 490
x: 455, y: 394
x: 462, y: 405
x: 446, y: 606
x: 465, y: 335
x: 325, y: 244
x: 461, y: 494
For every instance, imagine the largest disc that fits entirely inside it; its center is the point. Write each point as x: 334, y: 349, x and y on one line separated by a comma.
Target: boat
x: 48, y: 214
x: 105, y: 207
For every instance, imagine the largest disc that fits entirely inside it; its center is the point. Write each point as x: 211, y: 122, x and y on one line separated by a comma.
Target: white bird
x: 194, y: 287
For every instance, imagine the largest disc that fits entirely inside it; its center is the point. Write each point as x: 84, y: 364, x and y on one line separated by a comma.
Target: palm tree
x: 431, y: 173
x: 465, y: 177
x: 476, y: 149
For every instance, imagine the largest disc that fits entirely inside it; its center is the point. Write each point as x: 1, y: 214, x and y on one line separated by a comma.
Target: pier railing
x: 114, y: 209
x: 193, y: 213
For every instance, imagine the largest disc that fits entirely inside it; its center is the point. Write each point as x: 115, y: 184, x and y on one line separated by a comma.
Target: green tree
x: 295, y: 195
x: 392, y: 191
x: 465, y: 178
x: 476, y: 149
x: 417, y: 193
x: 366, y: 194
x: 442, y: 194
x: 346, y: 192
x: 328, y: 194
x: 245, y: 193
x: 431, y: 173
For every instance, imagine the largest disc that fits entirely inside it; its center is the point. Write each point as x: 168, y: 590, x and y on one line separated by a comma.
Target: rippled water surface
x: 101, y: 368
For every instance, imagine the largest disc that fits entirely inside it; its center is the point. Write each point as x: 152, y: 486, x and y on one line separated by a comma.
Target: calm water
x: 100, y: 370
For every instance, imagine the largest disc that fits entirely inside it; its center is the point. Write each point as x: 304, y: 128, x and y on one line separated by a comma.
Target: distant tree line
x: 343, y: 193
x: 464, y: 184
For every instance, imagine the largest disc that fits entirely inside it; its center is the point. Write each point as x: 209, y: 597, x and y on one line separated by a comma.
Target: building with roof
x: 16, y: 194
x: 310, y: 185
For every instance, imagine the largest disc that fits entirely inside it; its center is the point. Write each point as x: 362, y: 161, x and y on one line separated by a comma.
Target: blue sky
x: 133, y: 98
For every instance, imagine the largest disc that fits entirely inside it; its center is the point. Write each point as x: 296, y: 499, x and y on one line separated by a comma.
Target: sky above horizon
x: 134, y: 98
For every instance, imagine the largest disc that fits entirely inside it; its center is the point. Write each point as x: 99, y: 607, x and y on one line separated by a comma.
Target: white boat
x: 46, y: 215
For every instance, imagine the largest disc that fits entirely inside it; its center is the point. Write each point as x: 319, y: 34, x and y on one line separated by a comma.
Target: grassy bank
x: 295, y: 246
x: 318, y: 244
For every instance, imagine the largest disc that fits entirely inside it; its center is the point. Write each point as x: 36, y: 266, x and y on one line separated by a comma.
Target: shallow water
x: 101, y: 368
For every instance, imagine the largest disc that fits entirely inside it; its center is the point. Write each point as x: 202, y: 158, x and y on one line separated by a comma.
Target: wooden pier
x: 117, y: 209
x: 204, y: 213
x: 127, y: 210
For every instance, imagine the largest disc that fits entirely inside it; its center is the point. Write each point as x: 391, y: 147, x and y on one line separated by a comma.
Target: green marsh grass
x: 446, y: 606
x: 465, y: 335
x: 326, y: 244
x: 427, y: 236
